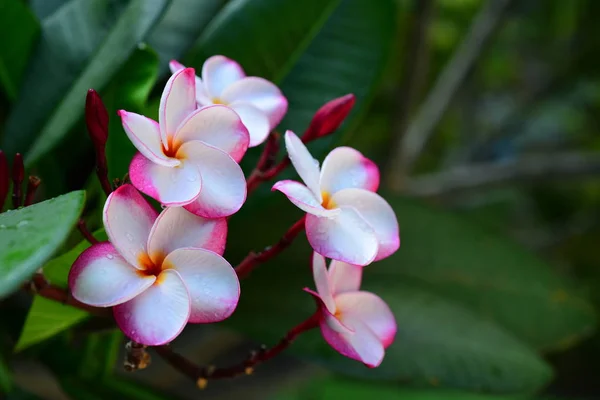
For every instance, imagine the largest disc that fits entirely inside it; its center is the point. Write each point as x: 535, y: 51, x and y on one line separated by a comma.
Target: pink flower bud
x: 329, y: 117
x: 96, y: 118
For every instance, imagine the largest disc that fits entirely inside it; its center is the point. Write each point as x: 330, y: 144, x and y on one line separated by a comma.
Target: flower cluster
x: 160, y: 271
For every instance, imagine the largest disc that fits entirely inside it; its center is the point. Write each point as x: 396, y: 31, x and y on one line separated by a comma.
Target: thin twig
x: 265, y: 162
x: 201, y: 375
x: 32, y: 186
x: 18, y: 174
x: 4, y: 179
x: 85, y: 232
x: 524, y: 170
x: 254, y: 259
x: 445, y: 88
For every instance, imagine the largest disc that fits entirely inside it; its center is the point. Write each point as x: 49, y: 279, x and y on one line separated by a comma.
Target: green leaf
x: 108, y: 388
x: 47, y: 318
x: 181, y: 25
x: 83, y: 44
x: 5, y: 377
x: 100, y: 354
x: 20, y: 25
x: 438, y: 340
x: 316, y: 50
x: 336, y: 388
x: 128, y: 90
x: 490, y: 274
x: 29, y: 236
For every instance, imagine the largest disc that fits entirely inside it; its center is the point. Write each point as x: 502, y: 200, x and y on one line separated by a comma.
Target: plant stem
x: 201, y: 375
x: 254, y: 259
x: 18, y: 174
x: 32, y: 186
x: 85, y: 232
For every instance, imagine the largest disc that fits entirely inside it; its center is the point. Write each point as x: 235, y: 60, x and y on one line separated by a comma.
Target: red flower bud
x: 96, y: 118
x: 329, y: 117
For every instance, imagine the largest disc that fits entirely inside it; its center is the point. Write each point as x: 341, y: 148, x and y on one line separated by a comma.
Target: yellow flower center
x: 328, y: 203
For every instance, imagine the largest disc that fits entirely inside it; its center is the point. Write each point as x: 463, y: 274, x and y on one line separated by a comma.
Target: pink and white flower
x: 158, y: 272
x: 346, y: 220
x: 259, y: 103
x: 190, y: 157
x: 356, y: 323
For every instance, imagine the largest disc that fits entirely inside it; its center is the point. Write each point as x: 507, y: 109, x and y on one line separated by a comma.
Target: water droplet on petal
x: 109, y: 256
x: 129, y: 236
x: 192, y: 178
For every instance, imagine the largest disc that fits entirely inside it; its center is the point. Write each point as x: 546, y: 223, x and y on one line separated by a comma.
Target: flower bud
x: 96, y: 118
x: 329, y: 117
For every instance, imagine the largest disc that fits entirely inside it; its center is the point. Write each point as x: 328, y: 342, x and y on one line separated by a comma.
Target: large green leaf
x: 128, y: 90
x: 316, y: 50
x: 83, y: 44
x: 47, y: 318
x: 438, y: 340
x: 20, y: 25
x: 181, y: 25
x: 29, y: 236
x: 489, y: 273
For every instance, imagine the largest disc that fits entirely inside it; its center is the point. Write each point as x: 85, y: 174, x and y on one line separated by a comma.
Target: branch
x: 445, y: 88
x: 201, y: 375
x: 40, y: 286
x: 253, y: 259
x: 524, y: 170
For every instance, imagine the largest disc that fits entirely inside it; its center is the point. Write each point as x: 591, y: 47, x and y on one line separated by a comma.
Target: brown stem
x: 18, y: 174
x: 266, y: 161
x: 40, y: 286
x: 254, y: 259
x: 85, y: 232
x: 201, y: 375
x: 32, y: 186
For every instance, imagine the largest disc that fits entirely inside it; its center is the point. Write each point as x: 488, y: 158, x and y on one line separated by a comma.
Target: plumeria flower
x: 345, y: 219
x: 189, y: 158
x: 158, y: 272
x: 260, y: 103
x: 356, y: 323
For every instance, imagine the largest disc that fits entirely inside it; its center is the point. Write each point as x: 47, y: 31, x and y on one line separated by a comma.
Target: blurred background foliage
x: 483, y: 117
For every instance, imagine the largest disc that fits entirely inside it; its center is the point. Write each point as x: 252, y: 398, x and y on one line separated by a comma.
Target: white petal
x: 211, y: 282
x: 171, y: 186
x: 128, y: 219
x: 223, y: 182
x: 344, y: 277
x: 370, y: 310
x: 100, y: 277
x: 218, y: 126
x: 254, y: 120
x: 144, y: 133
x: 306, y: 166
x: 344, y: 237
x: 303, y: 198
x: 159, y: 314
x: 218, y: 72
x: 346, y: 168
x: 176, y: 228
x: 322, y: 281
x: 377, y: 212
x: 177, y: 102
x: 262, y: 94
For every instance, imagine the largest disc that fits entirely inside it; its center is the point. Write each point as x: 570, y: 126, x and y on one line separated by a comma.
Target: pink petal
x: 176, y: 228
x: 306, y: 166
x: 201, y: 96
x: 377, y: 212
x: 303, y: 198
x: 370, y: 310
x: 254, y: 120
x: 100, y: 277
x: 361, y: 344
x: 211, y: 281
x: 344, y: 277
x: 144, y: 133
x: 262, y: 94
x: 159, y: 314
x: 172, y: 186
x: 344, y: 237
x: 223, y: 183
x: 322, y: 282
x: 177, y: 102
x: 218, y: 72
x: 128, y: 219
x: 218, y: 126
x: 326, y: 316
x: 346, y: 168
x: 175, y: 66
